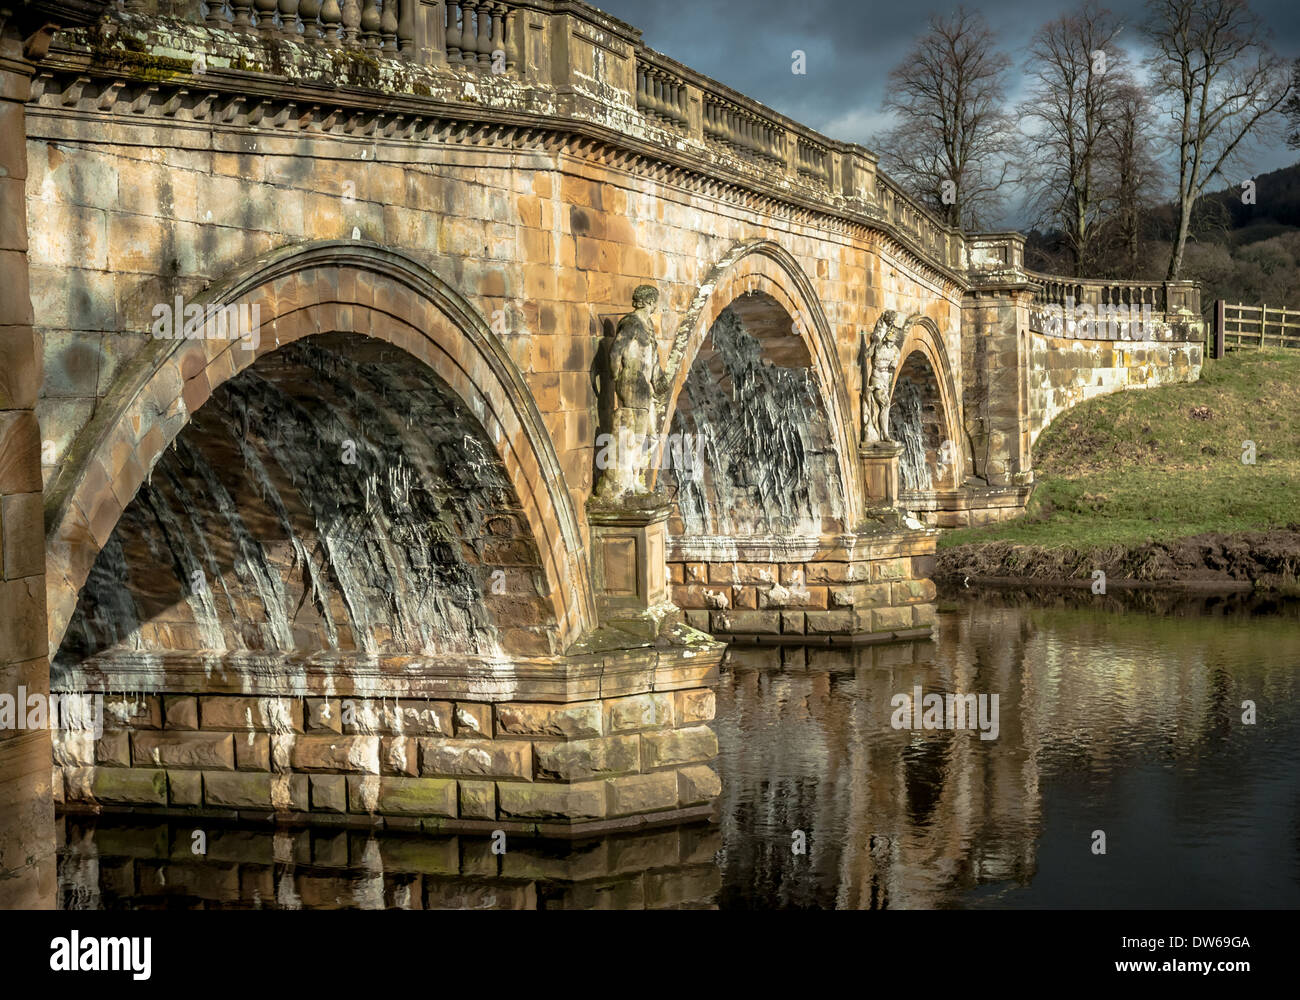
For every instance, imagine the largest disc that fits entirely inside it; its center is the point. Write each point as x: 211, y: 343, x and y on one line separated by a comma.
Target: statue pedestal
x: 629, y: 544
x: 880, y: 472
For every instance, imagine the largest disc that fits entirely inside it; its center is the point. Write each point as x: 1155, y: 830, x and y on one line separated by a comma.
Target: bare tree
x: 953, y: 139
x: 1221, y: 85
x: 1292, y: 108
x: 1077, y: 73
x: 1133, y: 173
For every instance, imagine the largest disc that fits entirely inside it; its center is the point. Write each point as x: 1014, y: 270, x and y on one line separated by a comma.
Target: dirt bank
x: 1266, y: 560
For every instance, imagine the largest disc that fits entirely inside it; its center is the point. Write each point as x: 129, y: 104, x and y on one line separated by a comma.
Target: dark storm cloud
x: 851, y: 47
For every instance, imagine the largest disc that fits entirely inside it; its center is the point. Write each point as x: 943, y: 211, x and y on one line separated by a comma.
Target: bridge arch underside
x: 761, y: 541
x: 919, y: 422
x: 335, y: 575
x: 750, y: 453
x: 335, y: 498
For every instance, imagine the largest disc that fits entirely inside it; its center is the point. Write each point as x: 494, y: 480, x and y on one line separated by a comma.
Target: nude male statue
x: 637, y: 382
x: 878, y: 359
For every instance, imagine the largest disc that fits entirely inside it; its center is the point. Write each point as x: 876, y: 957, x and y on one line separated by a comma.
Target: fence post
x: 1217, y: 350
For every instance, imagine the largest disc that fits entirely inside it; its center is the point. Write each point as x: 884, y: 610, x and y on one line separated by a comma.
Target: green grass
x: 1136, y: 466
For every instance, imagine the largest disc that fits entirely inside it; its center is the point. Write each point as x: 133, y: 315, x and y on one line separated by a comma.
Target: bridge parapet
x: 410, y: 66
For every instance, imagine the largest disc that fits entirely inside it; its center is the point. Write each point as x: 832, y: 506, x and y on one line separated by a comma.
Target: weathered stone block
x: 181, y: 712
x: 912, y: 591
x: 746, y: 622
x: 695, y: 706
x: 642, y: 711
x: 794, y: 622
x: 830, y: 622
x: 403, y: 796
x: 399, y: 755
x: 329, y: 793
x: 887, y: 619
x: 132, y: 712
x: 275, y: 715
x: 924, y: 615
x: 581, y: 801
x: 678, y: 746
x: 697, y: 784
x: 185, y: 788
x: 201, y: 751
x: 252, y: 751
x: 409, y: 718
x: 478, y: 800
x: 595, y: 758
x: 355, y: 754
x: 483, y: 758
x: 472, y: 719
x: 323, y: 714
x: 129, y: 786
x: 642, y: 793
x: 237, y: 790
x: 889, y: 569
x: 578, y: 721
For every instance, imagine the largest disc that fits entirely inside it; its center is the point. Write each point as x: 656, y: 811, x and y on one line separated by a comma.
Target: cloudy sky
x: 852, y: 44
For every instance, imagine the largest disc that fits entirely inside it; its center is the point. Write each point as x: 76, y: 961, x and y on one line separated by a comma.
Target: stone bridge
x: 340, y: 556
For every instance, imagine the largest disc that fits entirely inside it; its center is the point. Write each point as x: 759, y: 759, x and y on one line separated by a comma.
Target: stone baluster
x: 485, y: 35
x: 331, y: 22
x: 308, y: 11
x: 216, y: 14
x: 369, y: 25
x: 453, y: 31
x: 514, y: 28
x: 289, y: 17
x: 388, y: 26
x: 351, y: 22
x: 265, y: 16
x: 405, y: 35
x: 242, y: 15
x: 469, y: 32
x: 498, y: 41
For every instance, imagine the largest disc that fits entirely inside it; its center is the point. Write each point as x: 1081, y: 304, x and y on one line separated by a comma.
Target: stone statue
x: 634, y: 375
x: 878, y: 359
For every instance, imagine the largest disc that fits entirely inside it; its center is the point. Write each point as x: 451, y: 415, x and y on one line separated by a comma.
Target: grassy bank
x: 1158, y: 465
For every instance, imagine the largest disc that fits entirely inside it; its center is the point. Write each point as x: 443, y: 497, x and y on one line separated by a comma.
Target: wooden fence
x: 1257, y: 327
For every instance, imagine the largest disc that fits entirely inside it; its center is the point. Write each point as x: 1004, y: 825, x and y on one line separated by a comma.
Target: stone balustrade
x: 742, y: 129
x: 473, y: 34
x: 814, y: 160
x: 661, y: 94
x: 548, y: 47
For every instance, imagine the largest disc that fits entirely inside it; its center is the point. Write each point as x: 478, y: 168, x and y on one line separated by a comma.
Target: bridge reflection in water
x: 1124, y: 721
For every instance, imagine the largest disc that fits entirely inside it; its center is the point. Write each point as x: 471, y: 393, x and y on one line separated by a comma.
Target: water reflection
x: 1124, y: 722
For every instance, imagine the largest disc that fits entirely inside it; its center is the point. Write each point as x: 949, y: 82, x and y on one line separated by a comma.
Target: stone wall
x: 595, y: 760
x: 867, y: 588
x: 1064, y: 372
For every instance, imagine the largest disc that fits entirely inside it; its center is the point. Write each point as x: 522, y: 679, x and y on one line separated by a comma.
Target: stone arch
x: 923, y: 355
x: 764, y: 268
x: 325, y: 287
